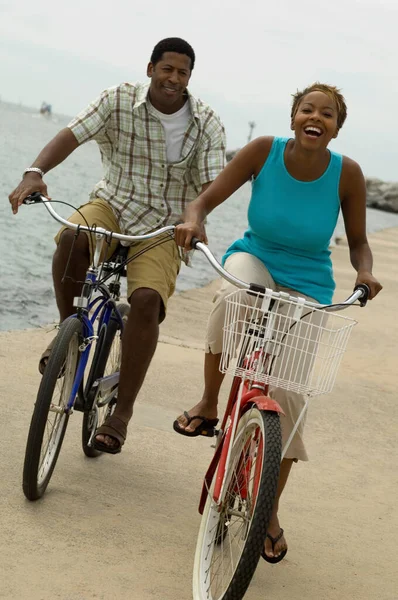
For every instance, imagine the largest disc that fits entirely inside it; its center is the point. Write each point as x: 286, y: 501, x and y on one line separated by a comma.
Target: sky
x: 251, y: 56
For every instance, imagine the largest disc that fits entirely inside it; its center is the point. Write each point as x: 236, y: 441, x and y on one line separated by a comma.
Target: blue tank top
x: 291, y: 223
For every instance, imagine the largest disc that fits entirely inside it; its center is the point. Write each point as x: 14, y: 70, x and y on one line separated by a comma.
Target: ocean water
x: 26, y: 240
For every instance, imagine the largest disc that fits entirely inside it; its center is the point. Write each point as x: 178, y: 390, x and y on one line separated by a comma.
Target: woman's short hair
x: 330, y: 90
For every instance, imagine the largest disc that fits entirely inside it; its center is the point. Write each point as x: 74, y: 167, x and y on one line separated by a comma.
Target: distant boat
x: 46, y: 109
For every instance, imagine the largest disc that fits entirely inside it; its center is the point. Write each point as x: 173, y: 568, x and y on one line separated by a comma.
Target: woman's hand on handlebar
x: 32, y: 182
x: 368, y: 279
x: 184, y: 233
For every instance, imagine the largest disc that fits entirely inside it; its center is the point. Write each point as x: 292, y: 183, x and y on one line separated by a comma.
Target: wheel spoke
x: 226, y: 528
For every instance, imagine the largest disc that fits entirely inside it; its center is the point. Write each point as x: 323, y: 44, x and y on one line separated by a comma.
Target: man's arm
x: 89, y: 124
x: 52, y: 155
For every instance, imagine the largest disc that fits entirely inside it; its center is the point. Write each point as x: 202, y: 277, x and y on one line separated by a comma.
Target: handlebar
x: 361, y: 292
x: 37, y: 198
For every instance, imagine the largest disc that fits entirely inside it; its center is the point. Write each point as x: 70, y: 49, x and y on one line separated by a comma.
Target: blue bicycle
x: 82, y: 372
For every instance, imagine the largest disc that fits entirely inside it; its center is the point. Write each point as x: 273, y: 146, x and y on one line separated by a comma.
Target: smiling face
x: 169, y: 80
x: 315, y: 122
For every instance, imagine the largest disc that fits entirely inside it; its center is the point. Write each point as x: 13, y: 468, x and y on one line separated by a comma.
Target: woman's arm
x: 246, y: 164
x: 353, y: 203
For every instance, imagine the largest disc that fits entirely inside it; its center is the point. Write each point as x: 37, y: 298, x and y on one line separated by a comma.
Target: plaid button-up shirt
x: 144, y: 190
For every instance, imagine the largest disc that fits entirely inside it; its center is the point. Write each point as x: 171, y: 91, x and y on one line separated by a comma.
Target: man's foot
x: 275, y: 546
x: 204, y: 409
x: 111, y: 436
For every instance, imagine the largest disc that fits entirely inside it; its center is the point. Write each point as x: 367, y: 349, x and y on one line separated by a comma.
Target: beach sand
x: 125, y: 527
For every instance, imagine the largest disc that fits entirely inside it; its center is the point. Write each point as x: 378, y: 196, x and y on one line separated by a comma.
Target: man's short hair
x: 172, y: 45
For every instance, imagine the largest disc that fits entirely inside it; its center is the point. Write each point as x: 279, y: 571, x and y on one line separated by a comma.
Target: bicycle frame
x: 105, y: 306
x: 83, y: 303
x: 242, y: 396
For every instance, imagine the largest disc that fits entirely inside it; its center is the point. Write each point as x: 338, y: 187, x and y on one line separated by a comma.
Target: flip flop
x: 206, y: 427
x: 274, y: 540
x: 114, y: 428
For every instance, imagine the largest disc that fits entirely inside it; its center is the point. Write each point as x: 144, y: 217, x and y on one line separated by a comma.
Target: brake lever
x: 366, y: 293
x: 34, y: 198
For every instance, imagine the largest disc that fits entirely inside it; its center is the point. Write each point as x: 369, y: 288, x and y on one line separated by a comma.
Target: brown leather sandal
x: 114, y: 428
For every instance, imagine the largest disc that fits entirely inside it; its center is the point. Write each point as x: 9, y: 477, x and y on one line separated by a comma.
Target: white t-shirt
x: 174, y: 126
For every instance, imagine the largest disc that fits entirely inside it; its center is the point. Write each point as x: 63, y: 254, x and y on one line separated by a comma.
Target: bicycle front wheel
x: 232, y: 532
x: 49, y: 419
x: 106, y: 361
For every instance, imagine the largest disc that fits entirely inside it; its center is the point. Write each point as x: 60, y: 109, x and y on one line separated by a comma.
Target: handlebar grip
x: 194, y: 241
x: 34, y: 198
x: 365, y: 293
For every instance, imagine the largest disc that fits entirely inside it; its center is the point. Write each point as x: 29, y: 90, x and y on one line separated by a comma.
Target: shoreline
x: 196, y: 297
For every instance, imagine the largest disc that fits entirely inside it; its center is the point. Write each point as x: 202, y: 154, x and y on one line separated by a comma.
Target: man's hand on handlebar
x: 184, y: 233
x: 32, y: 182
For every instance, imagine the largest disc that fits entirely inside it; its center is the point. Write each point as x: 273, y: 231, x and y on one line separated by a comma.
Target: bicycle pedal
x: 216, y: 433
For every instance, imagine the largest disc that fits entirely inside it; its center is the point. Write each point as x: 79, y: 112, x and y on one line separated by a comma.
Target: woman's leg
x: 274, y: 526
x: 248, y: 268
x: 297, y: 365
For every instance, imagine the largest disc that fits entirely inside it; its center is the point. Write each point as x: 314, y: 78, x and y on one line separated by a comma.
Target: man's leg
x: 151, y: 281
x: 67, y: 289
x: 139, y: 344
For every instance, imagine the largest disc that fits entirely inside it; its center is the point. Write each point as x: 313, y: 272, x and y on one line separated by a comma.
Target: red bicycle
x: 270, y: 340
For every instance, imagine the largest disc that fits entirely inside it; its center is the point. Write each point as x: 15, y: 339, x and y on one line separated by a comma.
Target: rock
x: 382, y: 195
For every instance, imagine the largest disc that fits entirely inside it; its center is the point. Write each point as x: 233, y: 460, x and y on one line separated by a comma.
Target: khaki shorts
x: 156, y: 269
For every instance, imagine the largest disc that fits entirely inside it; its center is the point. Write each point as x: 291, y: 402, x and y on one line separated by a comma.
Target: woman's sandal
x: 274, y: 540
x: 114, y: 428
x: 206, y: 427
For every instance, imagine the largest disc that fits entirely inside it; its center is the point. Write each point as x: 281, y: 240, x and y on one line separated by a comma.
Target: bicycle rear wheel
x: 49, y: 419
x: 231, y: 536
x: 107, y: 359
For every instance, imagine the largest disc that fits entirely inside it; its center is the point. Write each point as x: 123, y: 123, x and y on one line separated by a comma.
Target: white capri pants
x: 250, y: 269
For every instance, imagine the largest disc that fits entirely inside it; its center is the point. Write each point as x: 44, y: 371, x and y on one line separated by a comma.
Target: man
x: 160, y: 148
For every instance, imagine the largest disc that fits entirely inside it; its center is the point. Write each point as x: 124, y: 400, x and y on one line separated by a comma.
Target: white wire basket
x: 283, y: 343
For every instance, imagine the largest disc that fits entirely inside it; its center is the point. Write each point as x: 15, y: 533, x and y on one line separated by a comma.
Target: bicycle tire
x: 60, y: 371
x: 104, y: 350
x: 212, y: 524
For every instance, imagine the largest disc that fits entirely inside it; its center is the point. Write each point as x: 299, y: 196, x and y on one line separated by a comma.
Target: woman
x: 298, y: 188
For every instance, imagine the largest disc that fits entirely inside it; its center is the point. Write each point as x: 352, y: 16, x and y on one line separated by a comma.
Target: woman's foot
x: 204, y: 409
x: 274, y: 549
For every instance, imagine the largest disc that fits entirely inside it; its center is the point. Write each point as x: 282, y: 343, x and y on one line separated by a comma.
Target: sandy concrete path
x: 124, y: 527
